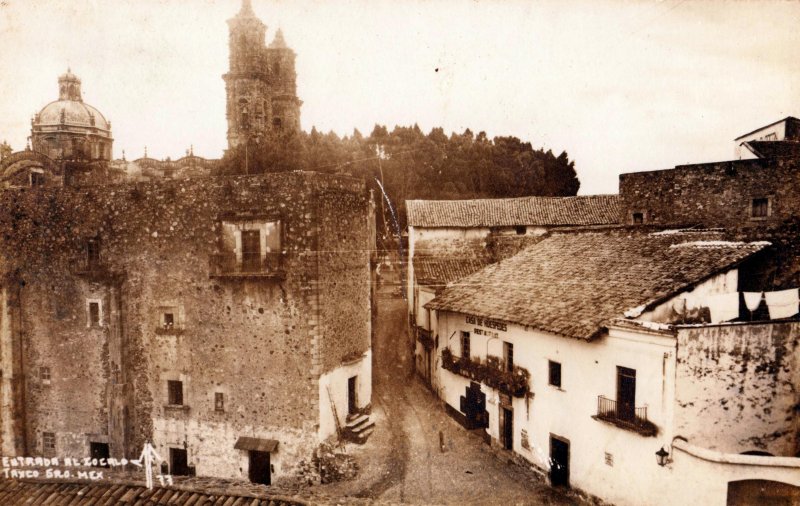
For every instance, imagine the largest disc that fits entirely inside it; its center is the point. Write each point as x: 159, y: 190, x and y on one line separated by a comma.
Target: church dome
x: 71, y: 113
x: 70, y: 110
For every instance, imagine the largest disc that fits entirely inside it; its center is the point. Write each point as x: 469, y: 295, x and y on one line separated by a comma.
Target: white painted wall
x: 725, y: 282
x: 424, y: 295
x: 588, y: 369
x: 336, y: 380
x: 778, y: 130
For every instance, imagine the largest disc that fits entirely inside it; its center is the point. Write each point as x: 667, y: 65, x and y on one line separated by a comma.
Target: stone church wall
x: 250, y: 339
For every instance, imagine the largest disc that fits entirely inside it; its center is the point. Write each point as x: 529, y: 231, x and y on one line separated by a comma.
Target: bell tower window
x: 244, y: 115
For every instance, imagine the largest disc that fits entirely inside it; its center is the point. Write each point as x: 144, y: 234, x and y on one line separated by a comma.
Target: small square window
x: 175, y: 393
x: 44, y: 375
x: 520, y: 229
x: 49, y: 442
x: 760, y: 208
x: 94, y: 314
x: 37, y: 178
x: 638, y: 218
x: 219, y: 401
x: 554, y: 373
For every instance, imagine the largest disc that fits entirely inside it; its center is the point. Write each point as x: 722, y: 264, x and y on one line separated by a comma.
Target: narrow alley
x: 403, y: 462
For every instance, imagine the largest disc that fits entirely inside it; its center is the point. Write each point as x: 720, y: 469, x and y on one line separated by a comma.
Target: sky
x: 621, y: 86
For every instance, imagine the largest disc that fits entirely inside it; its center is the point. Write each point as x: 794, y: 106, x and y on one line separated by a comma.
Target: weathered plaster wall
x: 737, y: 387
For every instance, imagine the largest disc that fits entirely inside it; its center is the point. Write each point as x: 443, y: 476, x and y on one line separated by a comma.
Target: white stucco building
x: 450, y: 239
x: 591, y: 357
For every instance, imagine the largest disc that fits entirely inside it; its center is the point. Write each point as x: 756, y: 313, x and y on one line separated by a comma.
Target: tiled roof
x: 434, y: 271
x: 541, y: 211
x: 572, y: 283
x: 18, y: 492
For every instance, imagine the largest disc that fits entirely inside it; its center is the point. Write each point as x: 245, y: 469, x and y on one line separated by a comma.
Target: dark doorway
x: 251, y: 250
x: 99, y: 451
x: 259, y: 471
x: 507, y: 427
x: 352, y: 404
x: 178, y: 462
x: 626, y: 393
x: 559, y: 462
x: 473, y: 405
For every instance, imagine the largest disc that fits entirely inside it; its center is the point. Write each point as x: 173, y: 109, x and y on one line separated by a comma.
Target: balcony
x: 625, y: 416
x: 226, y: 265
x: 425, y: 337
x: 95, y: 271
x: 515, y: 383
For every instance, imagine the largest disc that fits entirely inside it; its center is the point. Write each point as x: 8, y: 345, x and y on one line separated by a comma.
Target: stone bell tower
x: 261, y: 84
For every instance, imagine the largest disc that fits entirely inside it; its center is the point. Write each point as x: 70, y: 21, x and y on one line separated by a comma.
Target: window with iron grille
x: 175, y: 392
x: 49, y: 442
x: 508, y: 356
x: 219, y: 401
x: 465, y: 350
x: 44, y: 374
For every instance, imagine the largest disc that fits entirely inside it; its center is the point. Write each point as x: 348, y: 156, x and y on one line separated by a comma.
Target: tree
x: 5, y: 150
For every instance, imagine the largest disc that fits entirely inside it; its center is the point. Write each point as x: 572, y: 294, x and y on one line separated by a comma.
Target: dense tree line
x: 412, y: 165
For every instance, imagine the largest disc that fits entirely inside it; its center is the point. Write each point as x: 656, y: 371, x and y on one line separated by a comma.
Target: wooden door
x: 507, y: 427
x: 626, y: 393
x: 559, y: 462
x: 178, y: 462
x: 259, y: 469
x: 251, y: 250
x: 352, y: 404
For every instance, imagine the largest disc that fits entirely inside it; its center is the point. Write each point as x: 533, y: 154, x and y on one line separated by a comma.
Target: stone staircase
x: 358, y: 427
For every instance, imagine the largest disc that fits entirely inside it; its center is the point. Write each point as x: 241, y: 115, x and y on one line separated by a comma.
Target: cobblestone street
x: 402, y: 462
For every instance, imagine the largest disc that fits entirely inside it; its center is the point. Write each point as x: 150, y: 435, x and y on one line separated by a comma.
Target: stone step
x: 356, y: 419
x: 361, y: 426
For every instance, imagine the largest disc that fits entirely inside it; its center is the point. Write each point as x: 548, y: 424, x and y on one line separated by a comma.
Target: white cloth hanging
x: 723, y: 306
x: 783, y: 303
x: 752, y: 300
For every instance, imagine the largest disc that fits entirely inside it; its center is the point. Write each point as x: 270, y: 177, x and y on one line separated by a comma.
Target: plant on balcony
x: 425, y: 337
x: 515, y: 383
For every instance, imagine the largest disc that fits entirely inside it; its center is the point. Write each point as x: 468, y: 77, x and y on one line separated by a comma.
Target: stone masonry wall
x: 742, y: 382
x: 720, y: 195
x: 713, y: 194
x: 249, y: 339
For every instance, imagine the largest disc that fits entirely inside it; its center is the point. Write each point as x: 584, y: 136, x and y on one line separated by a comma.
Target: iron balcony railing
x: 227, y: 265
x: 94, y: 270
x: 625, y: 415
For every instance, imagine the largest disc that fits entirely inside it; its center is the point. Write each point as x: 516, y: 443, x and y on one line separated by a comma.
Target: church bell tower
x: 260, y: 85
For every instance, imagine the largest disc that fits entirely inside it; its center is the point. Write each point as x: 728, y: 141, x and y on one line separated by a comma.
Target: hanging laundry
x: 752, y: 300
x: 783, y: 303
x: 724, y: 307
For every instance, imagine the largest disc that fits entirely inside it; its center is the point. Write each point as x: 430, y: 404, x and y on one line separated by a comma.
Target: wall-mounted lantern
x: 663, y: 457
